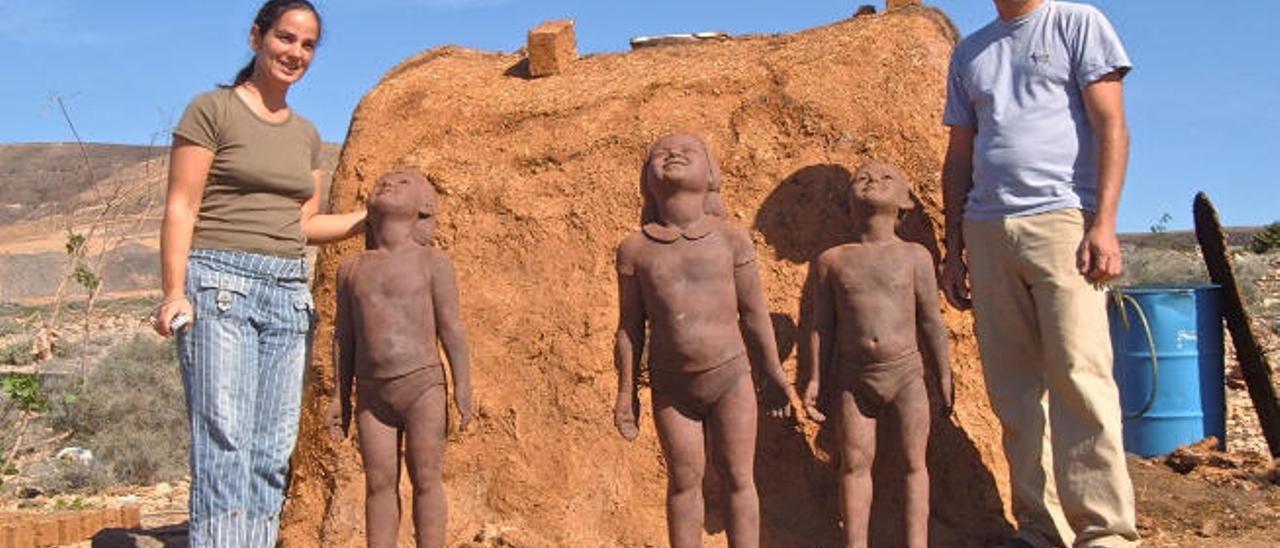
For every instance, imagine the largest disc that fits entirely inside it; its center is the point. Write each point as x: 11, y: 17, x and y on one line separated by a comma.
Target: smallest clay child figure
x: 875, y: 305
x: 397, y: 301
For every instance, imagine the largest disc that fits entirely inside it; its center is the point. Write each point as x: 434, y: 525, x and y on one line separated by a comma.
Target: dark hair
x: 270, y: 13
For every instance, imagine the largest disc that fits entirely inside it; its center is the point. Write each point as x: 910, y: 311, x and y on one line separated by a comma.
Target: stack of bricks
x: 891, y: 5
x: 552, y: 47
x: 33, y: 530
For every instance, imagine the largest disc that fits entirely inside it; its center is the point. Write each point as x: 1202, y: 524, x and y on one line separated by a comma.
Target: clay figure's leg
x: 380, y: 451
x: 732, y: 426
x: 683, y: 449
x: 857, y: 451
x: 424, y: 453
x: 912, y: 407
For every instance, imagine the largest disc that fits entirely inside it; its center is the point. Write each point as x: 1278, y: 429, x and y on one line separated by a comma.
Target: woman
x: 242, y: 205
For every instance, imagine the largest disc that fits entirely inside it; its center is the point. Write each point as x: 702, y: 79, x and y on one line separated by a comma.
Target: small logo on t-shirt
x: 1040, y: 58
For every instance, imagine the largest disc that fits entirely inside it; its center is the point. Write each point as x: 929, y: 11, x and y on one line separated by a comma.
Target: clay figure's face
x: 879, y: 185
x: 403, y: 192
x: 285, y: 50
x: 678, y: 161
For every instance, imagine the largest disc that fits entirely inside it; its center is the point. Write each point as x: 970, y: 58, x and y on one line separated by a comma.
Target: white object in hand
x: 179, y: 321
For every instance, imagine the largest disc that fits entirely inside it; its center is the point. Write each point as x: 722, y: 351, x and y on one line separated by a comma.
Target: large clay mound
x: 539, y: 182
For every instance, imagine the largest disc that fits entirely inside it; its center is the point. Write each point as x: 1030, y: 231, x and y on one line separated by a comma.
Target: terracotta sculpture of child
x: 398, y: 301
x: 690, y: 278
x: 876, y: 304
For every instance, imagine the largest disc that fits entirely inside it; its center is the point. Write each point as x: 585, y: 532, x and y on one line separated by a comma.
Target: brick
x: 891, y: 5
x: 552, y: 47
x: 131, y: 516
x: 90, y: 523
x: 17, y: 534
x: 69, y: 528
x: 46, y: 531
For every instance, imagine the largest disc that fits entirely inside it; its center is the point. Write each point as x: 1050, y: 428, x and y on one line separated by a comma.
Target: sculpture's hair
x: 424, y: 227
x: 713, y: 204
x: 268, y: 15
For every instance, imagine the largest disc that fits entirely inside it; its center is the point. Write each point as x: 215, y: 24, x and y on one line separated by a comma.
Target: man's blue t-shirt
x: 1019, y: 84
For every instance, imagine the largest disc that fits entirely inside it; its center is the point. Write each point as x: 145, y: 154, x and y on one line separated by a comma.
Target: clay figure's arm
x: 931, y: 332
x: 344, y: 361
x: 627, y: 348
x: 957, y: 180
x: 1099, y: 257
x: 821, y: 337
x: 450, y: 331
x: 753, y: 315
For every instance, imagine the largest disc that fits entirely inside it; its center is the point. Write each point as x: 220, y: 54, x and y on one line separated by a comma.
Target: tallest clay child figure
x: 690, y: 277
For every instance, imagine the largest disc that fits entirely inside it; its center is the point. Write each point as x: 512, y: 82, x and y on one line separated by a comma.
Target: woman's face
x: 284, y: 52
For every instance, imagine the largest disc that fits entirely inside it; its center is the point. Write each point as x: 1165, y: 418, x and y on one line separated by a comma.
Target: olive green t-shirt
x: 261, y: 175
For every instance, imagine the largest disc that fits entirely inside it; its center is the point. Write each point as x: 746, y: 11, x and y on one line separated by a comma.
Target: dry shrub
x: 132, y: 413
x: 1162, y: 266
x: 55, y: 477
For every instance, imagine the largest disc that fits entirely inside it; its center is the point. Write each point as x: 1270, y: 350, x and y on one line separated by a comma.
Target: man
x: 1034, y: 167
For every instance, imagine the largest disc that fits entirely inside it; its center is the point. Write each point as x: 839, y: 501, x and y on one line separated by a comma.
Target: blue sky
x: 1204, y: 99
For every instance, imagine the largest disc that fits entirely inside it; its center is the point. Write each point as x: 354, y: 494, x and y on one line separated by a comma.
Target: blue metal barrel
x: 1179, y: 397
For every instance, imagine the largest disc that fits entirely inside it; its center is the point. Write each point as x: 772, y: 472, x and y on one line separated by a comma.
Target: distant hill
x: 1236, y: 237
x: 48, y: 188
x: 35, y: 179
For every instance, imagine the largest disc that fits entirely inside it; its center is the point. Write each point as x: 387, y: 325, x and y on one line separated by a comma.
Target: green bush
x: 1267, y: 239
x: 132, y: 413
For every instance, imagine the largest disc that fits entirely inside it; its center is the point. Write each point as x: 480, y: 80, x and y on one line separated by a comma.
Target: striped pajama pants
x: 242, y: 363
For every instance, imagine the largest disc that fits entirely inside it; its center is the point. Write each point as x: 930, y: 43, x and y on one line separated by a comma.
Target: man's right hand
x: 955, y: 281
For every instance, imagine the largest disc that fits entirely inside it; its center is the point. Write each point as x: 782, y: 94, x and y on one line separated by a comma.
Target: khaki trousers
x: 1046, y: 352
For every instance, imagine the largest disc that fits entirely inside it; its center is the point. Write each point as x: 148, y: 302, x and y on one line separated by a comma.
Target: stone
x: 891, y: 5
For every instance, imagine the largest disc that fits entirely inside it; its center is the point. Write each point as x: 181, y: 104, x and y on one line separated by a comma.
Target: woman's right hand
x: 163, y: 317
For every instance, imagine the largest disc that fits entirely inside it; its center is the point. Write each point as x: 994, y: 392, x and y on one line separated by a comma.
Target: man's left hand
x: 1098, y: 257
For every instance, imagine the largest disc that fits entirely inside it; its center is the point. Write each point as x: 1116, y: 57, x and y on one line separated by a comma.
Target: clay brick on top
x: 552, y: 47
